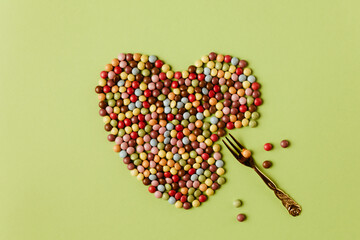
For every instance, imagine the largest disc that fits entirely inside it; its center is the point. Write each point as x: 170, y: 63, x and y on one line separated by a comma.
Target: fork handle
x: 293, y: 207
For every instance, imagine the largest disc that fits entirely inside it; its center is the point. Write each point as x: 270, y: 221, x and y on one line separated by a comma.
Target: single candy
x: 240, y: 217
x: 267, y: 164
x: 284, y: 143
x: 268, y: 146
x: 237, y: 203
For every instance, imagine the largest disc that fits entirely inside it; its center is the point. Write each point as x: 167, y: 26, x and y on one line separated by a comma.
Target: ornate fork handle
x: 293, y: 207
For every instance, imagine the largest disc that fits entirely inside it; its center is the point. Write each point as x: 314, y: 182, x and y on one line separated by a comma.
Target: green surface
x: 59, y: 178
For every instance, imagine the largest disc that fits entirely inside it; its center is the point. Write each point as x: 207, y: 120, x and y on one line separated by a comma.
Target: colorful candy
x: 284, y: 143
x: 267, y: 164
x: 268, y: 146
x: 155, y: 117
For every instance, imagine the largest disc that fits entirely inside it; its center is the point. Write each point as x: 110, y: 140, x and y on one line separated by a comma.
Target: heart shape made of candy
x: 165, y: 124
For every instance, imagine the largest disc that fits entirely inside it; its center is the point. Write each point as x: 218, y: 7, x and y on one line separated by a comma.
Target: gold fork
x: 293, y: 207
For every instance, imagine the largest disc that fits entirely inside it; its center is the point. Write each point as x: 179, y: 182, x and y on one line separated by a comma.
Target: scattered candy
x: 237, y: 203
x: 241, y: 217
x: 246, y: 153
x: 268, y: 146
x: 267, y: 164
x: 284, y: 143
x: 155, y: 117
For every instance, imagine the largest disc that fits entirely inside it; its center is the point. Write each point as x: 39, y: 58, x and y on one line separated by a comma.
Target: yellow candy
x: 205, y: 59
x: 185, y: 74
x: 210, y: 64
x: 196, y: 203
x: 153, y: 171
x: 216, y: 147
x: 129, y: 114
x: 220, y: 171
x: 128, y: 129
x: 165, y: 68
x: 211, y: 161
x: 102, y: 82
x: 170, y: 74
x: 198, y: 63
x: 123, y: 75
x: 121, y: 116
x: 134, y: 172
x: 114, y: 131
x: 213, y: 72
x: 247, y: 114
x: 136, y: 111
x: 131, y: 77
x: 106, y: 119
x: 208, y: 182
x: 143, y: 86
x: 178, y: 204
x: 247, y: 71
x: 245, y: 122
x: 232, y: 69
x: 209, y: 192
x: 126, y: 101
x: 141, y: 66
x: 116, y: 110
x: 144, y: 58
x: 246, y: 84
x: 162, y: 153
x: 140, y: 177
x: 227, y: 75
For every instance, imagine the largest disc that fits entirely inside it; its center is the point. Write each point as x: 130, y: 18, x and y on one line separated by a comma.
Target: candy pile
x: 157, y: 119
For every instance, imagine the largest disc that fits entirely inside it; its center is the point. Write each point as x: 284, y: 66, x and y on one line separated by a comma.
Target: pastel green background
x: 60, y: 179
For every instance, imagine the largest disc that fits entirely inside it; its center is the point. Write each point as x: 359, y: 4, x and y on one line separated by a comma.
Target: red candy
x: 243, y: 108
x: 268, y: 146
x: 257, y: 101
x: 191, y: 97
x: 175, y: 178
x: 255, y: 86
x: 152, y: 189
x: 106, y: 89
x: 117, y: 70
x: 103, y: 74
x: 230, y: 125
x: 113, y: 115
x: 177, y: 75
x: 201, y: 77
x: 162, y: 76
x: 174, y: 84
x: 227, y: 58
x: 158, y: 63
x: 202, y: 198
x: 192, y: 76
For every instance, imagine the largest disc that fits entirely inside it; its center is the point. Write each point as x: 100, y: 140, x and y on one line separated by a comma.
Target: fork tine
x: 231, y: 150
x: 237, y: 142
x: 233, y: 145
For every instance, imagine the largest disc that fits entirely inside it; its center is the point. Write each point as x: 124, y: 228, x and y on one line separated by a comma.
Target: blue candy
x: 172, y: 200
x: 123, y: 153
x: 152, y: 177
x: 152, y: 58
x: 194, y: 177
x: 208, y: 78
x: 135, y: 71
x: 153, y: 142
x: 242, y: 78
x: 161, y: 188
x: 199, y: 171
x: 200, y: 116
x: 207, y: 71
x: 234, y: 61
x: 214, y: 120
x: 219, y: 163
x: 251, y: 78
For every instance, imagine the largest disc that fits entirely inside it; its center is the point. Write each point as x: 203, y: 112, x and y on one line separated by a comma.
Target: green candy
x: 137, y: 162
x: 174, y: 111
x: 192, y: 119
x: 134, y: 156
x: 206, y: 125
x: 197, y: 193
x: 255, y: 115
x: 175, y: 122
x: 185, y: 123
x: 148, y: 128
x: 121, y: 132
x: 224, y: 88
x: 202, y: 178
x: 191, y: 191
x: 250, y: 100
x: 207, y: 173
x: 117, y: 96
x: 141, y: 132
x: 168, y: 187
x: 109, y: 95
x: 193, y: 154
x: 111, y: 102
x: 206, y: 133
x: 144, y: 111
x: 225, y: 67
x: 182, y: 162
x: 113, y: 123
x: 165, y: 196
x: 145, y: 72
x: 252, y: 123
x: 190, y: 198
x: 195, y: 83
x: 221, y: 180
x: 161, y: 146
x: 161, y: 97
x: 218, y: 65
x: 199, y: 70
